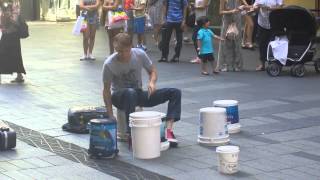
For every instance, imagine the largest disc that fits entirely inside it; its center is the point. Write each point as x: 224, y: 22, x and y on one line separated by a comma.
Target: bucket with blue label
x: 232, y: 114
x: 103, y: 138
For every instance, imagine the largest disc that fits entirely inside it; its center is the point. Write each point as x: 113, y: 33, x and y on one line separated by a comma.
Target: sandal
x: 260, y: 68
x: 205, y: 73
x: 215, y: 72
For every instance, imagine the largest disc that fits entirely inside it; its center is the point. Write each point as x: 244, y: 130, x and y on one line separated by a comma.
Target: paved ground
x: 280, y: 116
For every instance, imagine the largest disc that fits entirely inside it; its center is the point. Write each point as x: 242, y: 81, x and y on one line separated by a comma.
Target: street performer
x: 122, y: 80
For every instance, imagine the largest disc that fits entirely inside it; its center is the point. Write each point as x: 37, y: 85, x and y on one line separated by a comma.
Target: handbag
x: 116, y: 19
x: 23, y: 28
x: 232, y: 31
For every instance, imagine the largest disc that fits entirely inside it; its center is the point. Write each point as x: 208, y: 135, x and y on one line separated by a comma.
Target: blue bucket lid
x: 102, y: 121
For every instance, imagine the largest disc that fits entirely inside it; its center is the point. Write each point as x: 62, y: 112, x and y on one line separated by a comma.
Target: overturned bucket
x: 213, y: 128
x: 232, y: 114
x: 228, y: 159
x: 145, y: 134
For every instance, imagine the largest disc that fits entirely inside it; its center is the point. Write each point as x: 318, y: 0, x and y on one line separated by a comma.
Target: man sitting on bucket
x: 123, y: 85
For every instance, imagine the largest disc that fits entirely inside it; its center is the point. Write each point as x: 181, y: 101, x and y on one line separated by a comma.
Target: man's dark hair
x: 201, y: 21
x: 122, y: 40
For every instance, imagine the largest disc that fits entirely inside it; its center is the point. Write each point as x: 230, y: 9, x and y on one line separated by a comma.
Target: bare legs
x: 88, y: 41
x: 247, y: 34
x: 111, y: 34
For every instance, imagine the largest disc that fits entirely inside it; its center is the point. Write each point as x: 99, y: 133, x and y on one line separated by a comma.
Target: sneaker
x: 174, y: 59
x: 144, y: 47
x: 171, y: 138
x: 163, y: 60
x: 195, y: 61
x: 91, y: 57
x: 224, y: 69
x: 84, y: 57
x: 18, y: 80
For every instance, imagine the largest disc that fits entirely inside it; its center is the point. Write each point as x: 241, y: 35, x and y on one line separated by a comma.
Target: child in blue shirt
x: 205, y: 39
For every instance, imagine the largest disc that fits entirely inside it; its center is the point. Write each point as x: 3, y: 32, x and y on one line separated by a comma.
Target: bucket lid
x: 145, y: 115
x: 225, y: 103
x: 213, y: 109
x: 102, y: 121
x: 227, y: 149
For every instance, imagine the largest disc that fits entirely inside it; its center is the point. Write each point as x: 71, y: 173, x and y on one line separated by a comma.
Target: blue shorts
x: 138, y: 25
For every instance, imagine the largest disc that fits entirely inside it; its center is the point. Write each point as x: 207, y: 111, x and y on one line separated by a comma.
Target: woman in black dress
x: 10, y: 48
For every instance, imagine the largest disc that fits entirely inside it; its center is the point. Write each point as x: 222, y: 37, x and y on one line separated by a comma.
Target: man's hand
x: 151, y: 88
x: 183, y: 26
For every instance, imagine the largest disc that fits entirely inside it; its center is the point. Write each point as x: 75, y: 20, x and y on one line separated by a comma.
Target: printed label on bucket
x: 103, y: 137
x: 232, y: 114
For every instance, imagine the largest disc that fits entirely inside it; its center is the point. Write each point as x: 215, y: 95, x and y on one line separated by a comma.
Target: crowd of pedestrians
x: 243, y: 19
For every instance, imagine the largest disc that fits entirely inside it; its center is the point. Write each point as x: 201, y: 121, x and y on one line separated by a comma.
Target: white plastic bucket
x: 228, y: 159
x: 145, y: 134
x: 232, y: 114
x: 213, y: 127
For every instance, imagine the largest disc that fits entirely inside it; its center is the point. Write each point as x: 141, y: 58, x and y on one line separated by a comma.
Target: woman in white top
x: 265, y: 7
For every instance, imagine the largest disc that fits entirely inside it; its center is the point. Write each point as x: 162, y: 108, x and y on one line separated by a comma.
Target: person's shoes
x: 225, y: 69
x: 143, y: 47
x: 237, y: 69
x: 205, y: 73
x: 91, y: 57
x: 18, y: 80
x: 195, y: 61
x: 84, y: 57
x: 260, y: 68
x: 163, y: 59
x: 215, y: 71
x: 171, y: 138
x: 174, y: 59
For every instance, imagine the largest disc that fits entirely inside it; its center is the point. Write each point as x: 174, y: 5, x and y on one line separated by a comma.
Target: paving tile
x: 309, y: 170
x: 38, y: 162
x: 266, y: 165
x: 22, y: 164
x: 214, y: 87
x: 205, y: 174
x: 303, y: 144
x: 34, y: 174
x: 298, y: 174
x: 17, y: 175
x: 278, y: 148
x: 56, y: 160
x: 8, y: 166
x: 289, y: 115
x: 4, y: 177
x: 261, y: 104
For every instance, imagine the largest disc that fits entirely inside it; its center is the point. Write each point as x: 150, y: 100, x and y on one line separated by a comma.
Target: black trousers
x: 169, y: 27
x: 264, y: 39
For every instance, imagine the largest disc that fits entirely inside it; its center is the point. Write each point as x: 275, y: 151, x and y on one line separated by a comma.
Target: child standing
x: 205, y: 39
x: 139, y: 22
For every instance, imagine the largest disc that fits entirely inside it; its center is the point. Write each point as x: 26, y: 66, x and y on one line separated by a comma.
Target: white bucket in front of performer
x: 232, y: 114
x: 145, y: 134
x: 228, y: 159
x: 213, y: 127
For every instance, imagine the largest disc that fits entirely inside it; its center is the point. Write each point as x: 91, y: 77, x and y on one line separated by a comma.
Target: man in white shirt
x: 265, y: 7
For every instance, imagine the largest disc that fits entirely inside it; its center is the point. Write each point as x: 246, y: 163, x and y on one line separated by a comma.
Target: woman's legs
x: 92, y: 34
x: 156, y: 33
x: 111, y: 34
x: 85, y: 44
x: 248, y: 30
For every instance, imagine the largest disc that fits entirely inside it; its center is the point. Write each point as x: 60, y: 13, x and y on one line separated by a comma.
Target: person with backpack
x: 175, y: 16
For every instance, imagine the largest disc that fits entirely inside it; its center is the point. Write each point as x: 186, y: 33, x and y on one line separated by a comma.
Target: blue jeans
x: 127, y: 99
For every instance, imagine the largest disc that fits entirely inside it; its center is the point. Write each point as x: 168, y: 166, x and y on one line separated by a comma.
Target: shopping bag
x: 148, y: 22
x: 116, y: 19
x: 78, y: 26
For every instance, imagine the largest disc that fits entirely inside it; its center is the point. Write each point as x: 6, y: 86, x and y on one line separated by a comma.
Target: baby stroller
x: 298, y: 27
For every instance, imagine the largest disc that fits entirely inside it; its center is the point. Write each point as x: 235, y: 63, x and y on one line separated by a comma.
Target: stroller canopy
x: 293, y: 19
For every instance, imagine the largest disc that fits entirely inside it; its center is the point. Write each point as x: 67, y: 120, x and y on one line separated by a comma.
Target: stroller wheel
x: 298, y: 70
x: 274, y: 69
x: 317, y: 66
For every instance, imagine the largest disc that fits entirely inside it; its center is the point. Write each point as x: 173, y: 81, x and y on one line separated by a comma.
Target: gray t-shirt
x: 126, y: 75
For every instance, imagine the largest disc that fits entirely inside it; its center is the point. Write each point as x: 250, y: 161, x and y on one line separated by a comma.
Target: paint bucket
x: 103, y: 138
x: 213, y: 128
x: 228, y: 159
x: 145, y: 134
x: 232, y: 114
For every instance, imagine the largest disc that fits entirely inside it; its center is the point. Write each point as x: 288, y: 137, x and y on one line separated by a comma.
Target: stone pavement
x: 280, y: 117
